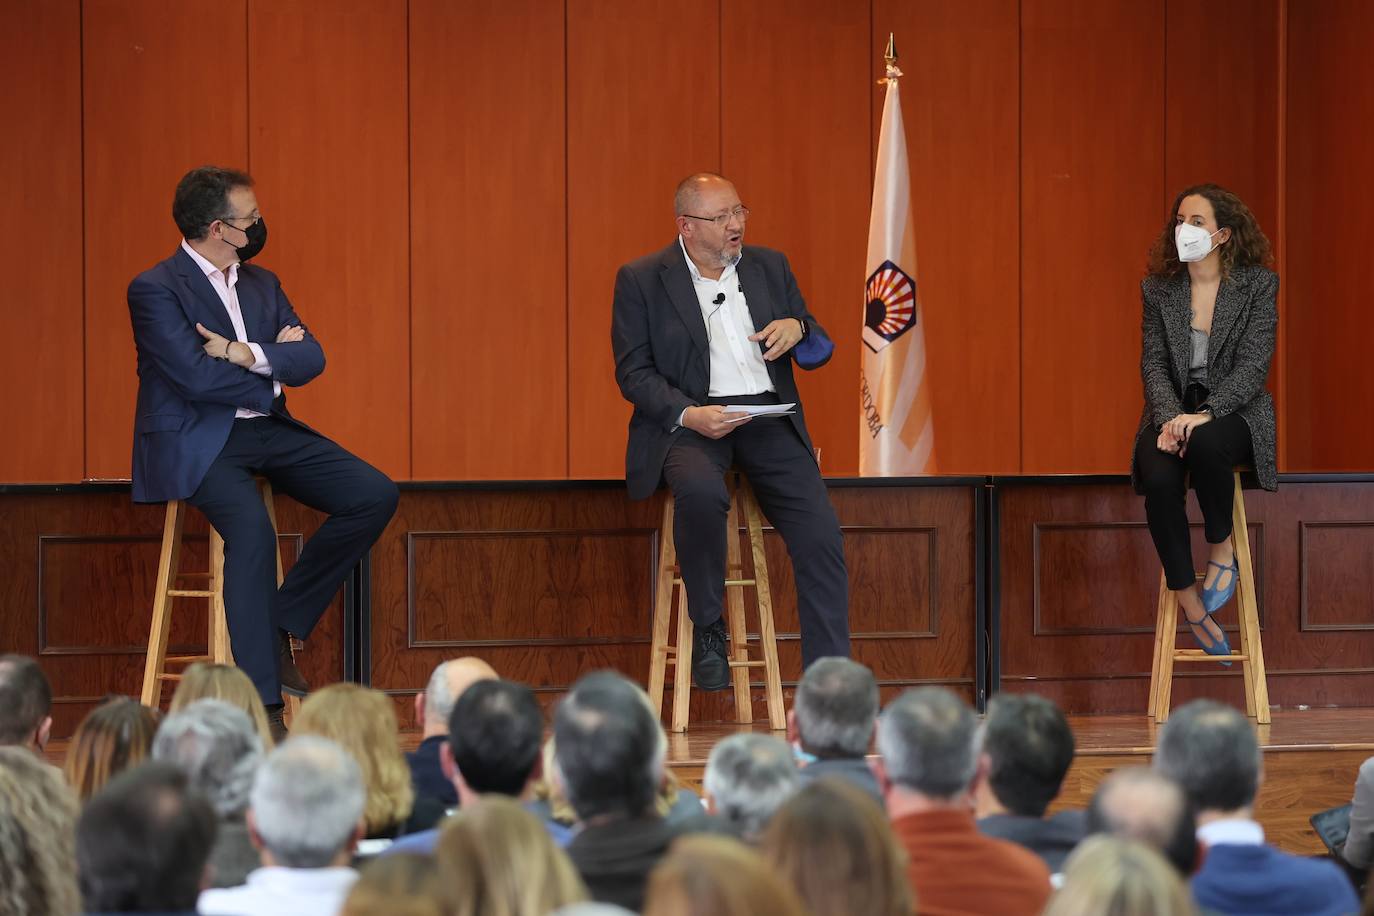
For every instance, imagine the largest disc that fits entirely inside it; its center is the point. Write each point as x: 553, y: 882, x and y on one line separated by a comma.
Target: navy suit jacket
x: 662, y: 354
x: 1260, y: 880
x: 187, y: 399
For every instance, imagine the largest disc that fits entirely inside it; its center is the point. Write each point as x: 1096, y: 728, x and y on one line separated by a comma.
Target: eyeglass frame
x: 225, y: 219
x: 723, y: 219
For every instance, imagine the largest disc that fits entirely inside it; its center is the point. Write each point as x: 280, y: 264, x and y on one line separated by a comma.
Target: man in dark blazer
x: 704, y: 323
x: 217, y: 341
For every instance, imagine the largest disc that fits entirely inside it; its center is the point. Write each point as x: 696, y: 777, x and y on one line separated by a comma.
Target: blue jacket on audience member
x: 1259, y: 880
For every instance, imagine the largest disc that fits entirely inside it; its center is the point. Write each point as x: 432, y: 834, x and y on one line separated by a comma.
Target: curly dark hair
x: 202, y: 196
x: 1247, y: 246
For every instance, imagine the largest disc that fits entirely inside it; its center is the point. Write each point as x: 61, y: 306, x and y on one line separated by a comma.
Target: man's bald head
x: 446, y: 685
x: 1138, y: 803
x: 690, y: 190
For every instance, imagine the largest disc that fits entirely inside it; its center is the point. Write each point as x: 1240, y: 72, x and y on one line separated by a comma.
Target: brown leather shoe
x: 292, y: 681
x: 276, y: 722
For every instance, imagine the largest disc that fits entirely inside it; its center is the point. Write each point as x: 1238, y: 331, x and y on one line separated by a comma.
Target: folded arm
x: 294, y: 361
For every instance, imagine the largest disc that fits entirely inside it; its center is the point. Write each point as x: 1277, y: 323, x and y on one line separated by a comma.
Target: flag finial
x: 890, y: 59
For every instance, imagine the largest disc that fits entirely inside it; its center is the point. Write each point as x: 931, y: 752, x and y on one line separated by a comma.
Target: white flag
x: 896, y: 432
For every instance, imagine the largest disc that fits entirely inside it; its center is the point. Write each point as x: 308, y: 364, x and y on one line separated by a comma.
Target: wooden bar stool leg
x: 734, y: 603
x: 1158, y: 671
x: 220, y: 650
x: 768, y: 640
x: 168, y: 563
x: 1169, y: 624
x: 1247, y: 603
x: 663, y: 608
x: 682, y: 663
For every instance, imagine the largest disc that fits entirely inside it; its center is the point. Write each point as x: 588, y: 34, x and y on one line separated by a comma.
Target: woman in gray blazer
x: 1207, y: 339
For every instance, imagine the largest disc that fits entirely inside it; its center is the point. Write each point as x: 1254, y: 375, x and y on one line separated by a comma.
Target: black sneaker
x: 710, y: 667
x: 292, y: 681
x: 276, y: 722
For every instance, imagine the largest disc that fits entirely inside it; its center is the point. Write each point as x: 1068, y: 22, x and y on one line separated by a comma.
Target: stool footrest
x: 1197, y: 655
x: 189, y: 659
x: 190, y: 593
x: 748, y: 664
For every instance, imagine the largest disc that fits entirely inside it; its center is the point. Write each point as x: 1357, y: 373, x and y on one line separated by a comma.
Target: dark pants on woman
x: 1214, y: 449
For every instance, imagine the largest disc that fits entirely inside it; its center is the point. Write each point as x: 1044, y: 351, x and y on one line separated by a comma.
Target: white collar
x: 204, y: 264
x: 1232, y: 832
x: 696, y: 272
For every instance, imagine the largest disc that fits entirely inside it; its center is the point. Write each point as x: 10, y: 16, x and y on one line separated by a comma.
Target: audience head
x: 835, y: 709
x: 25, y: 703
x: 434, y: 707
x: 1211, y: 751
x: 704, y: 875
x: 218, y: 747
x: 204, y: 681
x: 497, y: 859
x: 116, y: 735
x: 1137, y: 803
x: 37, y: 837
x: 306, y: 808
x: 142, y: 842
x: 495, y: 731
x: 206, y: 196
x: 610, y: 747
x: 363, y: 722
x: 1107, y: 876
x: 402, y: 884
x: 832, y: 843
x: 1029, y: 747
x: 928, y: 740
x: 748, y: 776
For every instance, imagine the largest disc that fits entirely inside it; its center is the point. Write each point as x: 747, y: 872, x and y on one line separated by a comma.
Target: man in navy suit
x: 705, y: 323
x: 217, y: 341
x: 1211, y: 751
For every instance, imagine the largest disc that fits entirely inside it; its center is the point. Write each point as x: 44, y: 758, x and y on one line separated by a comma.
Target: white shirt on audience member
x: 274, y: 891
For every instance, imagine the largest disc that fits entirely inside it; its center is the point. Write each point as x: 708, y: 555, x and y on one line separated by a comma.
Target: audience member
x: 717, y: 876
x: 143, y: 842
x: 930, y: 765
x: 363, y: 722
x: 496, y: 859
x: 1108, y: 876
x: 1211, y: 751
x: 116, y: 735
x: 25, y: 703
x: 204, y: 681
x: 305, y: 816
x: 675, y: 802
x: 1141, y: 804
x: 400, y: 885
x: 832, y: 721
x: 748, y: 776
x: 219, y: 748
x: 610, y: 758
x: 832, y: 843
x: 492, y: 748
x: 37, y: 831
x: 1029, y: 747
x: 433, y: 710
x: 1358, y: 850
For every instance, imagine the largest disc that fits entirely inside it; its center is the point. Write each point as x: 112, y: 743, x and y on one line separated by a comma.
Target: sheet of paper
x: 759, y: 410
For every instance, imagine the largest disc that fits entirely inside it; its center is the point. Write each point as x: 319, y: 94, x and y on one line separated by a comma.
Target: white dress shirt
x: 1234, y: 832
x: 737, y: 365
x: 225, y: 283
x: 281, y: 892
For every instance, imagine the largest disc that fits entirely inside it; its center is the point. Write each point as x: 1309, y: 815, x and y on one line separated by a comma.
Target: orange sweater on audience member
x: 957, y: 871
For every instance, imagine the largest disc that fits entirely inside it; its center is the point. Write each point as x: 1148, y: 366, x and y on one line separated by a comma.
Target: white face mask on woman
x: 1194, y: 243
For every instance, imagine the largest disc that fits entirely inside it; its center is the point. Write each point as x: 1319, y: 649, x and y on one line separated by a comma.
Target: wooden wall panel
x: 1329, y: 194
x: 488, y: 241
x: 798, y: 90
x: 637, y: 124
x: 960, y: 107
x: 328, y: 150
x: 1092, y: 171
x: 40, y: 66
x: 159, y: 99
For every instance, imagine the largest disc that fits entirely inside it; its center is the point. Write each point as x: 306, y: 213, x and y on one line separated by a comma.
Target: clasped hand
x: 217, y: 346
x: 779, y: 336
x: 1173, y: 438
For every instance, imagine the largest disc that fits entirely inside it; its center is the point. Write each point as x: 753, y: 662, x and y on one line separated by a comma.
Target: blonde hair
x: 497, y: 859
x: 363, y: 722
x: 115, y: 736
x: 833, y: 843
x: 705, y: 875
x: 1109, y: 876
x: 223, y: 682
x: 37, y: 838
x: 403, y: 884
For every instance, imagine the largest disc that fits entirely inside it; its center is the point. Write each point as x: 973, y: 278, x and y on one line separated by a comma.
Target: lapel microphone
x: 719, y: 300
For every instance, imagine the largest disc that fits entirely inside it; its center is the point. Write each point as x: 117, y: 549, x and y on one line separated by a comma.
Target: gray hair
x: 929, y: 742
x: 749, y: 777
x: 307, y: 801
x: 439, y: 695
x: 218, y: 747
x: 1210, y: 749
x: 836, y: 708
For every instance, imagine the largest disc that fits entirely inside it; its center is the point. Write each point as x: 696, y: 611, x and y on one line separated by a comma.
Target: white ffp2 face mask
x: 1194, y: 243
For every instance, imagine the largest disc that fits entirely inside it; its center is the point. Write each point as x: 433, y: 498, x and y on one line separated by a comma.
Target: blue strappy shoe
x: 1220, y: 647
x: 1213, y: 598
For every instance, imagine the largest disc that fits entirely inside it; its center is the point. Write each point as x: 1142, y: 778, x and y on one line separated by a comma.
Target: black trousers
x: 1214, y: 449
x: 793, y: 498
x: 311, y: 469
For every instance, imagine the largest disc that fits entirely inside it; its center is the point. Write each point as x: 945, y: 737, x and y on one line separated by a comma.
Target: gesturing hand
x: 712, y: 421
x: 779, y: 336
x: 217, y: 346
x: 291, y: 334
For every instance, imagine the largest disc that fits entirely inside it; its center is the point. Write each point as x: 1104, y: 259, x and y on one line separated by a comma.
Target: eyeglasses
x: 741, y: 213
x: 233, y: 219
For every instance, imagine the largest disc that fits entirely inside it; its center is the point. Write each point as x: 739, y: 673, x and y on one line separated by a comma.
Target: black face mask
x: 257, y: 237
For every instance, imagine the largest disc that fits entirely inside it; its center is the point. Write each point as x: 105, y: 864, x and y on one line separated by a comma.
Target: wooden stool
x: 168, y: 570
x: 679, y: 654
x: 1251, y: 654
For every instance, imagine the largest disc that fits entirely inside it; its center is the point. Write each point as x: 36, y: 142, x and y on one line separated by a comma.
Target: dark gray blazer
x: 1238, y: 355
